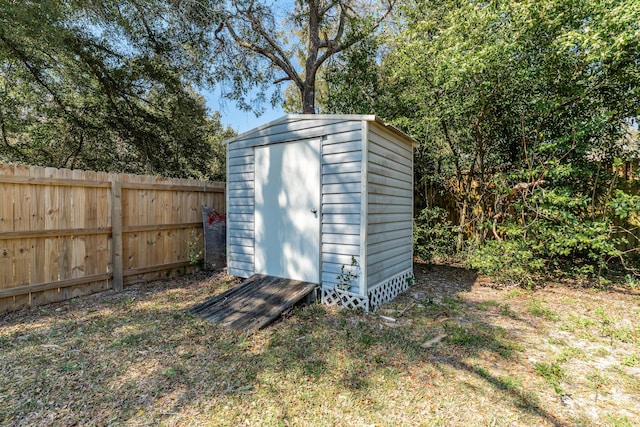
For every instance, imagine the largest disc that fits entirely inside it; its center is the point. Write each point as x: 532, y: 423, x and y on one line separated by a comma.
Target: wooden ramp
x: 253, y: 303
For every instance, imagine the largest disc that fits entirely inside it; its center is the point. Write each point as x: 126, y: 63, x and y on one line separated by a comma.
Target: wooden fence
x: 67, y: 233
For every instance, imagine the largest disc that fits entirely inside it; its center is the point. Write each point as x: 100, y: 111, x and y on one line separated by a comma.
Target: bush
x: 507, y: 261
x: 433, y: 234
x: 555, y: 234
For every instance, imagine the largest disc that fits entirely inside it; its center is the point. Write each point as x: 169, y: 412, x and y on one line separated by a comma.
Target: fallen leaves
x: 449, y: 351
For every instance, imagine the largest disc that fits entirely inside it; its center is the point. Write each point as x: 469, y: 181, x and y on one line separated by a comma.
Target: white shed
x: 309, y: 194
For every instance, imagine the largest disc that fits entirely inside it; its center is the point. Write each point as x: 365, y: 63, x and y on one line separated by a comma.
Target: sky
x: 239, y: 120
x: 243, y: 121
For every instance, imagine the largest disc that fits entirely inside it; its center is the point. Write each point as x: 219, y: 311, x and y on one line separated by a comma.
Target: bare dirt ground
x: 452, y: 350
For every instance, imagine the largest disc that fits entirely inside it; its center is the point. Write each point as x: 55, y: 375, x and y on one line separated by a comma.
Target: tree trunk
x: 308, y: 89
x: 463, y: 220
x: 308, y: 93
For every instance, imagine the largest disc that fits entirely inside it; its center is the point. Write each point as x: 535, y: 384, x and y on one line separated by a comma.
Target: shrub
x: 508, y: 261
x: 433, y: 234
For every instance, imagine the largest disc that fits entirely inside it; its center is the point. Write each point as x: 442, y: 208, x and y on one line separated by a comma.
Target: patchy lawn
x: 450, y: 351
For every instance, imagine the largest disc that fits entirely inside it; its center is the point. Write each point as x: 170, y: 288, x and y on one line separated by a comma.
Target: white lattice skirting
x: 389, y: 289
x: 378, y: 295
x: 344, y: 298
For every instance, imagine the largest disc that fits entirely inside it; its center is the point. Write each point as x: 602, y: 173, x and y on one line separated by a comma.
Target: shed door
x: 287, y: 216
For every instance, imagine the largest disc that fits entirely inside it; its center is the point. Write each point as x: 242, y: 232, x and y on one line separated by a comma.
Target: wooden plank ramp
x: 254, y: 303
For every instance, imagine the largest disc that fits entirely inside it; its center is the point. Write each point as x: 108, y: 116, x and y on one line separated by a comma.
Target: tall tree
x: 102, y: 85
x: 261, y: 43
x: 519, y: 107
x: 353, y: 79
x: 524, y: 102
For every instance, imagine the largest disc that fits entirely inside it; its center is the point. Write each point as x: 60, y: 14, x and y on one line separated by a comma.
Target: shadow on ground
x: 139, y: 357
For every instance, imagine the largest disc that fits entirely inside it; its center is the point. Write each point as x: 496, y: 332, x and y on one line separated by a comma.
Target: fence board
x: 21, y: 221
x: 37, y: 225
x: 6, y: 224
x: 62, y: 234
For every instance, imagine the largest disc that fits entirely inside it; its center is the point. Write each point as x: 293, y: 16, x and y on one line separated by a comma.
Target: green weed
x: 128, y: 341
x: 70, y: 367
x: 619, y: 421
x: 485, y: 305
x: 552, y: 373
x: 510, y: 383
x: 127, y: 302
x: 626, y: 334
x: 558, y: 341
x: 527, y: 400
x: 507, y: 383
x: 453, y: 303
x: 169, y: 373
x: 598, y: 379
x: 631, y: 360
x: 505, y: 310
x: 570, y: 353
x: 539, y: 310
x: 367, y: 339
x: 603, y: 316
x: 315, y: 368
x: 582, y: 322
x: 461, y: 336
x: 513, y: 293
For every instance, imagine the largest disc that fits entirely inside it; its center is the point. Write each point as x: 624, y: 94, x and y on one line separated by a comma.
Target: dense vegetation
x: 526, y: 114
x: 104, y: 85
x: 526, y: 111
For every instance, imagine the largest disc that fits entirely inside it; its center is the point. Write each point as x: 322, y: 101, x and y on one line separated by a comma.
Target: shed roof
x: 353, y: 117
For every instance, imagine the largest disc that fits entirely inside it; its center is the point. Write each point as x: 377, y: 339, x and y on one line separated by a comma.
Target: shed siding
x: 340, y: 177
x: 341, y: 199
x: 366, y: 169
x: 390, y: 205
x: 240, y: 188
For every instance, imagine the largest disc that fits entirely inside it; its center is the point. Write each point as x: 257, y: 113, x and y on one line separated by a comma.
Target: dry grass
x: 458, y: 353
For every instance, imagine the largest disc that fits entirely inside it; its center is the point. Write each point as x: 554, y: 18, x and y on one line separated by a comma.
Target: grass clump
x: 131, y: 340
x: 506, y: 311
x: 552, y: 373
x: 539, y: 310
x: 631, y: 360
x: 485, y: 305
x: 570, y: 353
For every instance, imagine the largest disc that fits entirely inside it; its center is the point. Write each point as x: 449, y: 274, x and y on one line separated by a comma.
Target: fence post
x: 116, y: 237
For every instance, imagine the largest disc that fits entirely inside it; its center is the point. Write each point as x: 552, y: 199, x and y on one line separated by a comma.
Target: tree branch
x: 33, y: 70
x: 334, y: 46
x: 333, y: 43
x: 147, y: 27
x: 281, y: 61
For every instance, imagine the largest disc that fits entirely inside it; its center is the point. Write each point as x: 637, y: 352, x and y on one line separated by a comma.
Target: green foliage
x: 359, y: 95
x: 104, y: 86
x: 521, y: 108
x: 632, y: 281
x: 433, y: 234
x: 624, y: 204
x: 348, y: 274
x: 559, y: 227
x: 509, y: 261
x: 552, y: 372
x: 195, y: 249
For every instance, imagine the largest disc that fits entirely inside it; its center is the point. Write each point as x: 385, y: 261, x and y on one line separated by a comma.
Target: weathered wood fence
x: 67, y: 233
